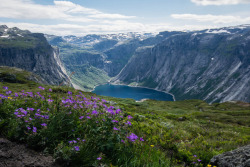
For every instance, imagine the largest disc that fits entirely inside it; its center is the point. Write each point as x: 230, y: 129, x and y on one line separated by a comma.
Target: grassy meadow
x: 83, y: 129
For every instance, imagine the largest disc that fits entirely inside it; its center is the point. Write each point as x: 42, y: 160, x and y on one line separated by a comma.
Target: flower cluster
x: 93, y: 116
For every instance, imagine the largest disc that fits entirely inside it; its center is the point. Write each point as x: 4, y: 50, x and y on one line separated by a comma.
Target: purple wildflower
x: 34, y: 129
x: 198, y: 160
x: 130, y: 117
x: 111, y: 111
x: 50, y: 100
x: 37, y: 114
x: 94, y: 112
x: 132, y: 137
x: 115, y: 128
x: 32, y: 109
x: 46, y: 117
x: 118, y: 111
x: 77, y: 148
x: 114, y: 121
x: 88, y: 117
x: 50, y: 89
x: 41, y: 88
x: 5, y: 87
x: 44, y: 124
x: 141, y: 139
x: 122, y: 141
x: 128, y: 123
x: 8, y: 92
x: 99, y: 158
x: 28, y: 128
x: 81, y: 117
x: 24, y: 112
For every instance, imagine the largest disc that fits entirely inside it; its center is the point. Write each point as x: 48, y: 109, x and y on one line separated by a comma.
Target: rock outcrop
x: 236, y: 158
x: 31, y: 52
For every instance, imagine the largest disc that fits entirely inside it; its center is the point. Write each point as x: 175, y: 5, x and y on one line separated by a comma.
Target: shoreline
x: 135, y: 87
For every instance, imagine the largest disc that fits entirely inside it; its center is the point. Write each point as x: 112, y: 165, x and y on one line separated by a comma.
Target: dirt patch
x: 243, y: 104
x: 16, y: 155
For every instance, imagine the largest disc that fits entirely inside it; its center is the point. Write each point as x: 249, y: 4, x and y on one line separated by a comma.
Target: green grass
x: 19, y: 42
x: 29, y: 41
x: 177, y: 130
x: 87, y: 76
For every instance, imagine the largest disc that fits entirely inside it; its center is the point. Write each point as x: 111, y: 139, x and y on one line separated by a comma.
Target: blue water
x: 122, y: 91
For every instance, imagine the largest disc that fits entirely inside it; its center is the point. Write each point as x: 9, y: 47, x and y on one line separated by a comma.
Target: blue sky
x: 81, y: 17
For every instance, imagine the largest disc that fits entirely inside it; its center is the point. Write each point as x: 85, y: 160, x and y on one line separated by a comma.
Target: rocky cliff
x: 31, y: 52
x: 96, y: 58
x: 213, y: 65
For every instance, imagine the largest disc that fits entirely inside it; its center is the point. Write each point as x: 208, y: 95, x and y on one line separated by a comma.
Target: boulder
x: 236, y: 158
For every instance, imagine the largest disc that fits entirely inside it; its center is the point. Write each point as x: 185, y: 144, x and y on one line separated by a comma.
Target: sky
x: 81, y: 17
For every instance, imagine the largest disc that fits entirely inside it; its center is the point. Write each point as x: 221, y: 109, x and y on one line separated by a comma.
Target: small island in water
x: 137, y: 93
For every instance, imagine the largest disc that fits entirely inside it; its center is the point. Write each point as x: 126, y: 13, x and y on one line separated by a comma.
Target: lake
x: 137, y: 93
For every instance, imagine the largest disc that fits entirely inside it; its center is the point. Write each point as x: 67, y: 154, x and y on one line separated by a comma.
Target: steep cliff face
x: 31, y: 52
x: 213, y: 65
x: 96, y: 58
x: 119, y: 55
x: 86, y: 67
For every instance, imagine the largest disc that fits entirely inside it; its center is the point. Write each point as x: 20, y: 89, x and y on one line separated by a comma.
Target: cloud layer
x: 119, y: 27
x: 220, y: 2
x: 212, y: 18
x: 68, y: 18
x: 62, y: 10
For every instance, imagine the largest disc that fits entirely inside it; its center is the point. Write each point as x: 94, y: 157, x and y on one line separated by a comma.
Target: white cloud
x: 117, y: 26
x: 61, y: 10
x: 110, y: 16
x: 220, y: 2
x: 70, y: 7
x: 216, y: 19
x: 67, y: 18
x: 80, y: 30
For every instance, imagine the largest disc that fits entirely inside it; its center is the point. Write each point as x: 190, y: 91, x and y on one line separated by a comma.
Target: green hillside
x: 82, y: 129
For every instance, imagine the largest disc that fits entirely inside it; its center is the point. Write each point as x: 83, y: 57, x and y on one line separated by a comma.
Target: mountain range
x: 212, y: 64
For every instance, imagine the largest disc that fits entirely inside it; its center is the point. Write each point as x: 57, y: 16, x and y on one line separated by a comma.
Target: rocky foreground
x: 16, y: 155
x: 239, y: 157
